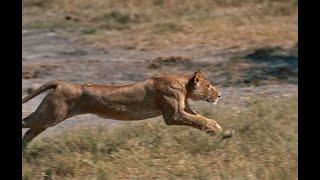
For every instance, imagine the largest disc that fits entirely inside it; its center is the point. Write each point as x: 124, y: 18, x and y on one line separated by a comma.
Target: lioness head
x: 202, y: 89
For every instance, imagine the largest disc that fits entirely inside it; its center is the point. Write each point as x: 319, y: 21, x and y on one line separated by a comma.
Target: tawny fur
x: 163, y: 95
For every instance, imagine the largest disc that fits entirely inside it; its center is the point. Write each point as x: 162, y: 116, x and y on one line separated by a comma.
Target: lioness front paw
x: 213, y: 128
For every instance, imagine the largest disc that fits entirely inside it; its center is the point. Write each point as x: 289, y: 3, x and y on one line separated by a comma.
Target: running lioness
x: 162, y: 95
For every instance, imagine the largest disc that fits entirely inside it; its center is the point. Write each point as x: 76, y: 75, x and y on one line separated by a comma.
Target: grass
x: 159, y: 24
x: 166, y: 28
x: 264, y: 147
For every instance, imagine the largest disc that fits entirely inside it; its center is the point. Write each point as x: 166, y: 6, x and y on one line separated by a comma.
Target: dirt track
x: 48, y: 55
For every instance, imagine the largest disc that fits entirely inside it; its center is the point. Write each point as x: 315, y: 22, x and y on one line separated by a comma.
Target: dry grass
x: 264, y: 147
x: 159, y: 24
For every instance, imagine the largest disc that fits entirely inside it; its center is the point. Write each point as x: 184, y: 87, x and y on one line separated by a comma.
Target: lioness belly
x: 125, y: 112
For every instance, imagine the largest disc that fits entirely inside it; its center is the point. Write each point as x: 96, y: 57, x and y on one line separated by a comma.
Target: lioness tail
x: 48, y: 85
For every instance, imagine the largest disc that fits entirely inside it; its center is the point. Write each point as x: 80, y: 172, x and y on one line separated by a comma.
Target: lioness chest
x: 131, y: 102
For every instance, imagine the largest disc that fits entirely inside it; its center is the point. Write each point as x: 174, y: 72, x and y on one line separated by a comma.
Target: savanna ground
x: 247, y: 48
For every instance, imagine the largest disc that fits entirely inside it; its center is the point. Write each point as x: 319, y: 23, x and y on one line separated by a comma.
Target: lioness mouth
x: 211, y: 101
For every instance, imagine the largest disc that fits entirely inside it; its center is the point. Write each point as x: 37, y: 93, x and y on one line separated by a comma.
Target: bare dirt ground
x: 240, y: 73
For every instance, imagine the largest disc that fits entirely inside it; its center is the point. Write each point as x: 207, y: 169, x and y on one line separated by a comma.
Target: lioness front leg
x: 183, y: 118
x: 188, y: 108
x: 225, y: 133
x: 197, y: 121
x: 174, y: 114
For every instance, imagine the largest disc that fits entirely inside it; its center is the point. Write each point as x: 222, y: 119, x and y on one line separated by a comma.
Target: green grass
x: 264, y: 147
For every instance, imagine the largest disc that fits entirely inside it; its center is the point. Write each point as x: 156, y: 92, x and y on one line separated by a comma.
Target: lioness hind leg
x: 29, y: 135
x: 51, y: 111
x: 38, y: 122
x: 32, y: 121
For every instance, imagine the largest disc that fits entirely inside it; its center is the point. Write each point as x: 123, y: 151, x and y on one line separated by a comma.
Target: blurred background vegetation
x: 161, y: 24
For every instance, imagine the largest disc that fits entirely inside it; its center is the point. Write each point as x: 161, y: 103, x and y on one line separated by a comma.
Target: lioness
x: 162, y: 95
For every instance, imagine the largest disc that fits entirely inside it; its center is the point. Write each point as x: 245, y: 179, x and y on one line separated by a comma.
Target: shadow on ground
x: 273, y: 64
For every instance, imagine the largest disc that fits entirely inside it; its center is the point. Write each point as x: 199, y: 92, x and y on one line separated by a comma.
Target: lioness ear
x: 196, y: 77
x: 198, y: 72
x: 196, y: 80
